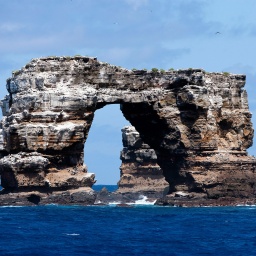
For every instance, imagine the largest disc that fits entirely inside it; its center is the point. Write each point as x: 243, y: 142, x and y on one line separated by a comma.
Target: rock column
x: 139, y: 169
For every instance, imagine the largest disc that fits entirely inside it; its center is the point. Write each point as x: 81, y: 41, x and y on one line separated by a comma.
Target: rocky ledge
x: 194, y: 128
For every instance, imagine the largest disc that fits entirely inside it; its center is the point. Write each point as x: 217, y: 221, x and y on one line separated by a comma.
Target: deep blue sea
x: 139, y: 230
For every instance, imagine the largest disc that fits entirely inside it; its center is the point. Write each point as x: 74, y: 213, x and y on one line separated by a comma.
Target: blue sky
x: 133, y: 34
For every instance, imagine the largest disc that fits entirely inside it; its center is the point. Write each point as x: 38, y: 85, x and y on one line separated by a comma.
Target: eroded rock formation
x: 139, y: 170
x: 198, y: 123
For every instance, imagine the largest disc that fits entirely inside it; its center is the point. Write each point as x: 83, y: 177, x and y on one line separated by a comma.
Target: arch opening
x: 104, y: 143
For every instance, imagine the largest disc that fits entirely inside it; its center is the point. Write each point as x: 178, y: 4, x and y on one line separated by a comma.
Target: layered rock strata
x: 198, y: 123
x: 139, y: 170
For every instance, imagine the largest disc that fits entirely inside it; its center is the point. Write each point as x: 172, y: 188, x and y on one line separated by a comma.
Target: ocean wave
x: 143, y: 200
x: 247, y: 205
x: 114, y: 203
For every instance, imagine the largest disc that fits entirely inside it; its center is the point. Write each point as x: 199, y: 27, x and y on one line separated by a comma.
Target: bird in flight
x: 217, y: 33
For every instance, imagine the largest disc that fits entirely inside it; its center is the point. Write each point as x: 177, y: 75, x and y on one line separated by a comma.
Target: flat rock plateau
x: 186, y: 146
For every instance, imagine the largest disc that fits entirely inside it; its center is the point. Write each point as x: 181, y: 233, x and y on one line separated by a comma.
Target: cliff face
x: 198, y: 123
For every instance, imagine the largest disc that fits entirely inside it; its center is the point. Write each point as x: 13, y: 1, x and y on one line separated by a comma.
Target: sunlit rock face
x: 198, y: 124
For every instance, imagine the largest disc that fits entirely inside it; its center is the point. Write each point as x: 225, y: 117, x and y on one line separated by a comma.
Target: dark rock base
x: 90, y: 197
x: 138, y: 197
x: 82, y: 196
x: 70, y: 197
x: 203, y: 202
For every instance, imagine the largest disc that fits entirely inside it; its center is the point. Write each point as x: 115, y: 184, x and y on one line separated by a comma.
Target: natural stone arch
x: 144, y: 117
x: 197, y: 122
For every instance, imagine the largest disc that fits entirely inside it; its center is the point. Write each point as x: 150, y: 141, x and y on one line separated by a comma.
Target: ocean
x: 136, y: 230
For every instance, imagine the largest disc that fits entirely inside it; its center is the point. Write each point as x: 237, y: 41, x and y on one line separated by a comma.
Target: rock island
x: 187, y: 144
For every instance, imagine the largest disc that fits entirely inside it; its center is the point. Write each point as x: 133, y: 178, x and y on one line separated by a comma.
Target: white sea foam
x: 143, y: 200
x: 114, y: 203
x: 247, y: 205
x: 72, y: 234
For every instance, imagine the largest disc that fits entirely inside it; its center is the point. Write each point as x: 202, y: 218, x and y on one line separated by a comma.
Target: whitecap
x: 114, y: 203
x: 247, y: 205
x: 72, y: 234
x: 143, y: 200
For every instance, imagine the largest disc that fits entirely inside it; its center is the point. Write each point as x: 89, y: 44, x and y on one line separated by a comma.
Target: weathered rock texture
x: 198, y: 123
x: 139, y: 170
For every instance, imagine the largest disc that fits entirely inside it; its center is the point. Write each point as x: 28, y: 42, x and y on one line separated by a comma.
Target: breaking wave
x: 143, y: 200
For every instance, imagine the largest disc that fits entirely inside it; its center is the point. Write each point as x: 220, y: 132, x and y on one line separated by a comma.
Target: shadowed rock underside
x: 197, y: 123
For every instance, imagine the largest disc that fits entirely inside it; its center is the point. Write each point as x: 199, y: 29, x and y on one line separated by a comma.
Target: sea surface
x: 136, y: 230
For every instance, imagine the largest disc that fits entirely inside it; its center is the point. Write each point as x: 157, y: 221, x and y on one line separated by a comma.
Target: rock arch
x: 198, y: 123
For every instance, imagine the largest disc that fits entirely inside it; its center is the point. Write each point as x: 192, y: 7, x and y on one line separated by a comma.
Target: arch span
x: 182, y: 115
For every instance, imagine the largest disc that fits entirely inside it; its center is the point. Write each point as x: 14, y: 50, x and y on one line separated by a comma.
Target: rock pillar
x: 139, y: 169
